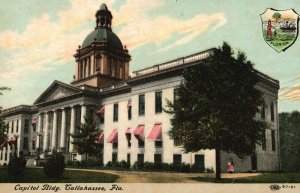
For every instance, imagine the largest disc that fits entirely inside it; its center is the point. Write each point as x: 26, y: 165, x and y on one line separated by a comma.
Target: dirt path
x: 162, y: 177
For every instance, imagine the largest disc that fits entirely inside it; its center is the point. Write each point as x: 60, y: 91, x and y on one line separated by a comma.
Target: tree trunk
x: 218, y: 164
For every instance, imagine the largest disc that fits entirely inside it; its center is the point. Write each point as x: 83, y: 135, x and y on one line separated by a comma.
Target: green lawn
x: 36, y: 175
x: 264, y: 178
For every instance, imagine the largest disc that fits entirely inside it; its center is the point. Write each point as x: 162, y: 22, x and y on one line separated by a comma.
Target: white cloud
x: 45, y: 43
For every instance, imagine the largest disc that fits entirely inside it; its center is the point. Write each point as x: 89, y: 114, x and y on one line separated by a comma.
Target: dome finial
x: 103, y: 17
x: 103, y: 7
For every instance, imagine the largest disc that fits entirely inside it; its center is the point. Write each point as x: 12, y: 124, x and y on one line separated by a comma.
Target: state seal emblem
x: 280, y: 28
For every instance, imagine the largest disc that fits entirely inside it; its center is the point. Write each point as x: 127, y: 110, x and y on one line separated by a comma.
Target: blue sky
x: 38, y: 39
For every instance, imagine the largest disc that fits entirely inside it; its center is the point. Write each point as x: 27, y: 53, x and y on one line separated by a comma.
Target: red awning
x: 101, y: 110
x: 12, y: 141
x: 100, y: 139
x: 155, y: 134
x: 139, y: 132
x: 113, y: 137
x: 128, y: 130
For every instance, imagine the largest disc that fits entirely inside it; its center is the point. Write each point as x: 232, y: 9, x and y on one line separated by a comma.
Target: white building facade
x: 128, y: 110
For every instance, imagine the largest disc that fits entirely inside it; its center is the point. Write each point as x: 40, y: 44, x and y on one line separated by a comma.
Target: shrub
x: 185, y: 168
x: 116, y: 164
x: 166, y: 167
x: 94, y: 163
x: 70, y: 163
x: 55, y: 165
x: 83, y: 164
x: 197, y: 168
x: 148, y: 166
x: 109, y: 164
x: 138, y: 165
x: 209, y: 170
x: 125, y: 164
x: 135, y: 165
x: 41, y: 164
x: 174, y: 167
x: 77, y: 163
x: 158, y: 166
x: 16, y: 167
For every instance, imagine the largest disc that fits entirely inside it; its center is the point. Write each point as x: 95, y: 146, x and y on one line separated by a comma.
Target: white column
x: 54, y: 131
x: 92, y: 64
x: 83, y: 113
x: 39, y: 131
x: 72, y: 128
x: 63, y: 129
x: 46, y: 131
x: 4, y: 152
x: 19, y: 136
x: 8, y: 149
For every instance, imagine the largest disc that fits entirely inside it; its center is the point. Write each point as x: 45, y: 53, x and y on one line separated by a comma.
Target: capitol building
x: 128, y: 109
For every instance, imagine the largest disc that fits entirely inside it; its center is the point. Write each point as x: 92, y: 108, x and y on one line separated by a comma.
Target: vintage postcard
x: 149, y: 95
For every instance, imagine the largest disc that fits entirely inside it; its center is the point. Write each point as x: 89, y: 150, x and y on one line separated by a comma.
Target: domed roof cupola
x: 103, y: 32
x: 103, y: 17
x: 101, y: 60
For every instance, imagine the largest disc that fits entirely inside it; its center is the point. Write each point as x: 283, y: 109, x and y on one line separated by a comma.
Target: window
x: 157, y: 158
x: 273, y: 140
x: 114, y: 157
x: 5, y: 155
x: 33, y: 145
x: 34, y: 127
x: 25, y: 143
x: 142, y: 105
x: 177, y: 159
x: 263, y: 141
x: 140, y: 158
x: 141, y: 143
x: 199, y: 163
x: 158, y: 143
x: 128, y: 136
x: 129, y: 109
x: 116, y: 112
x: 263, y: 113
x: 128, y: 158
x: 272, y: 111
x: 158, y: 102
x: 26, y: 125
x: 115, y: 145
x: 176, y: 94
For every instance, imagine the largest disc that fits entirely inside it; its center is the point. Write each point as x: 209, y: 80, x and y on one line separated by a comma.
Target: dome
x: 103, y: 35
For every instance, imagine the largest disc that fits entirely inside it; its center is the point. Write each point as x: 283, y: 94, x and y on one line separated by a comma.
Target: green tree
x: 85, y: 137
x: 216, y: 105
x: 3, y: 130
x: 55, y: 165
x: 3, y: 88
x: 3, y: 125
x: 289, y: 128
x: 276, y: 16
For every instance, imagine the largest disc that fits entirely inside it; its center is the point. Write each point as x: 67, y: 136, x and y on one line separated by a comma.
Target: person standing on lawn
x: 230, y: 167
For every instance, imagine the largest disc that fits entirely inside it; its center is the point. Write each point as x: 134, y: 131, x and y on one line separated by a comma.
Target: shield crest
x: 280, y: 28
